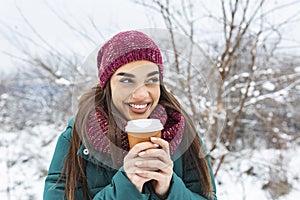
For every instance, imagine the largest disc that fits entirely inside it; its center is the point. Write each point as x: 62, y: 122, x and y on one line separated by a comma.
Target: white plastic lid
x: 143, y: 125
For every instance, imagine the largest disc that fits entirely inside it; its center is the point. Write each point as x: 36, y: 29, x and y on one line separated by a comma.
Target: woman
x: 92, y: 159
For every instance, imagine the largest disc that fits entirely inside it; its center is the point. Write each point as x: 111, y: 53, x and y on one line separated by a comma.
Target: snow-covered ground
x: 265, y: 174
x: 25, y: 157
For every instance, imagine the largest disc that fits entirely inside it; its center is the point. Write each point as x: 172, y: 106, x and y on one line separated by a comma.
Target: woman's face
x: 135, y: 89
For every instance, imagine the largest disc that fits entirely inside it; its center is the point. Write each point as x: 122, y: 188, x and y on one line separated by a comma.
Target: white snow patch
x: 269, y: 86
x: 62, y: 81
x: 297, y: 69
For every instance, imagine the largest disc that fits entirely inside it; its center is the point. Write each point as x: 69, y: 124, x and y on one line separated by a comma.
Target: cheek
x: 116, y: 97
x: 119, y: 95
x: 156, y: 94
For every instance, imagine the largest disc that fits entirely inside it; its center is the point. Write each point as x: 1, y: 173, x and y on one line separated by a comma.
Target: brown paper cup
x: 141, y: 130
x: 135, y: 138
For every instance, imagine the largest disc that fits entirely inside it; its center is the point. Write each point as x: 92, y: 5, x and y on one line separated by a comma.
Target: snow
x: 256, y: 93
x: 234, y: 183
x: 270, y: 71
x: 26, y: 155
x: 62, y: 81
x: 24, y: 160
x: 269, y: 86
x: 4, y: 96
x: 297, y: 69
x: 244, y: 74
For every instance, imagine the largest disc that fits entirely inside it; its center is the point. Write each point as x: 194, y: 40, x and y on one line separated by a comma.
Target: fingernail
x: 153, y: 138
x: 138, y: 163
x: 138, y: 171
x: 155, y: 145
x: 141, y: 153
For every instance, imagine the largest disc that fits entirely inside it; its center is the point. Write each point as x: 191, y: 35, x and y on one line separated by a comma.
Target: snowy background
x: 25, y: 157
x: 252, y: 130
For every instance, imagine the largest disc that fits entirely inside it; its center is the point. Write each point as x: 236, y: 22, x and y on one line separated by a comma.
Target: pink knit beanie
x: 123, y: 48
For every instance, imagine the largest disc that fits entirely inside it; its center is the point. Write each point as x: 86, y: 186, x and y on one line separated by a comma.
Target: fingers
x: 141, y: 147
x: 162, y: 143
x: 133, y: 156
x: 149, y: 161
x: 138, y: 181
x: 155, y: 175
x: 158, y: 158
x: 162, y: 153
x: 157, y: 154
x: 149, y: 164
x: 149, y: 174
x: 145, y: 161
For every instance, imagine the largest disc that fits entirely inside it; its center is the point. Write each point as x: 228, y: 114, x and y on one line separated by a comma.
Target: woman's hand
x: 132, y: 161
x: 156, y: 165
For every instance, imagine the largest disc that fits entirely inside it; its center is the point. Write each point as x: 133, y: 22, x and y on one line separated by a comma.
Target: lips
x: 139, y: 108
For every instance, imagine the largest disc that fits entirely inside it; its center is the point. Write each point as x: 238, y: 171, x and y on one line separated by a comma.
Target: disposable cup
x: 140, y: 130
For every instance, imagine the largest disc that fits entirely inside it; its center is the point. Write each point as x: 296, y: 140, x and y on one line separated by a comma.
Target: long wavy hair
x: 74, y: 167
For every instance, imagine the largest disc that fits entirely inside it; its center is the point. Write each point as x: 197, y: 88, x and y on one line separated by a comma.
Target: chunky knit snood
x: 97, y: 129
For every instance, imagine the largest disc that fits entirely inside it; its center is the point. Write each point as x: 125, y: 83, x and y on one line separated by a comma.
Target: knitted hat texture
x: 123, y: 48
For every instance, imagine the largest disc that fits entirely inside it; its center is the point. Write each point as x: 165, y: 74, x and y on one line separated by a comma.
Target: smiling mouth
x: 139, y: 108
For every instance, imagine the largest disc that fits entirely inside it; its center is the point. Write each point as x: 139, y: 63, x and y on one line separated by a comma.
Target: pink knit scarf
x: 97, y: 128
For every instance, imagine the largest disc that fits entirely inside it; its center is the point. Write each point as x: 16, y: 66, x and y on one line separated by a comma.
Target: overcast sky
x: 112, y: 16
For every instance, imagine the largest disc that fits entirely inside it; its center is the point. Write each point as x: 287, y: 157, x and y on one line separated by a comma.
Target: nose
x: 140, y: 92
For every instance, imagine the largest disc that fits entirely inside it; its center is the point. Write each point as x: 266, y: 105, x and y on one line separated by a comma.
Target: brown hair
x: 74, y: 167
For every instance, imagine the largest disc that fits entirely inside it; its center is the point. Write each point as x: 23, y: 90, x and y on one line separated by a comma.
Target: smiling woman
x: 135, y: 89
x: 93, y: 159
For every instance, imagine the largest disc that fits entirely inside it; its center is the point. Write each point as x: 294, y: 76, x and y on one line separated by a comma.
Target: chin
x: 139, y: 116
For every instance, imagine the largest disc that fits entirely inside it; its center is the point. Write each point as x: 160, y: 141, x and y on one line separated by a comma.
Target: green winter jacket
x: 105, y: 183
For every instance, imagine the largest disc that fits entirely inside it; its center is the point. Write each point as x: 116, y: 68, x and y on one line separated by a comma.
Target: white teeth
x: 138, y: 106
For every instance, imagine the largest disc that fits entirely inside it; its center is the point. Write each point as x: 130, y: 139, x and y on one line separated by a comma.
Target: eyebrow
x: 132, y: 76
x: 152, y: 73
x: 125, y: 74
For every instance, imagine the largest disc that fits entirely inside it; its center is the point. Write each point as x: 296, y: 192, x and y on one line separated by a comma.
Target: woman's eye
x: 152, y: 80
x: 126, y: 80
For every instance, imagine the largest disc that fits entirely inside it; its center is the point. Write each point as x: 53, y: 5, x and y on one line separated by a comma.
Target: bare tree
x: 247, y: 54
x: 41, y: 64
